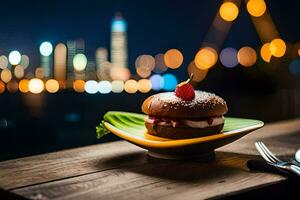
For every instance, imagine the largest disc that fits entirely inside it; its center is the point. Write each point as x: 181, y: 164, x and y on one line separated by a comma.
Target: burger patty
x: 181, y: 132
x: 190, y: 123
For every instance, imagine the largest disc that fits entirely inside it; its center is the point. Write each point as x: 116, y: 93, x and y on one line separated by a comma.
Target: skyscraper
x: 119, y: 55
x: 60, y: 62
x: 71, y: 45
x: 101, y: 56
x: 74, y: 47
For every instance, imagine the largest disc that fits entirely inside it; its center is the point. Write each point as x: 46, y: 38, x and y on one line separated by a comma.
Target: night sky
x: 153, y: 26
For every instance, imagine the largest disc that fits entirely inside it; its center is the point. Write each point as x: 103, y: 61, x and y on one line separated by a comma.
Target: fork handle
x: 295, y: 169
x: 263, y: 166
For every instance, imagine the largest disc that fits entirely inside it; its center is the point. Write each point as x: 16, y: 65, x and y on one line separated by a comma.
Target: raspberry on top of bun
x: 185, y: 113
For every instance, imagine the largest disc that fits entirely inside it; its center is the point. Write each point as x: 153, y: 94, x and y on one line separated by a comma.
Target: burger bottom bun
x: 181, y: 133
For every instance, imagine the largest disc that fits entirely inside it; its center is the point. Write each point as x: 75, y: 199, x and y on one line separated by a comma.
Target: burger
x: 184, y: 113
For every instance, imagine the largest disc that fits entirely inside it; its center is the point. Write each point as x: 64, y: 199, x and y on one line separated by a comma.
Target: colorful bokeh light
x: 265, y: 52
x: 91, y: 87
x: 229, y: 11
x: 3, y: 62
x: 78, y: 86
x: 157, y: 82
x: 206, y: 58
x: 14, y: 57
x: 105, y: 87
x: 247, y: 56
x: 6, y: 75
x: 117, y: 86
x: 2, y: 87
x: 24, y: 61
x: 46, y: 48
x: 19, y: 71
x: 52, y: 86
x: 228, y: 57
x: 12, y: 86
x: 23, y: 85
x: 169, y: 82
x: 277, y: 47
x: 79, y: 62
x: 173, y: 58
x: 131, y: 86
x: 144, y: 85
x: 160, y: 65
x: 36, y: 86
x: 256, y: 8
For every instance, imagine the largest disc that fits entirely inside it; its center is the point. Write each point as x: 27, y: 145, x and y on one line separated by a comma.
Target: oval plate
x: 130, y: 126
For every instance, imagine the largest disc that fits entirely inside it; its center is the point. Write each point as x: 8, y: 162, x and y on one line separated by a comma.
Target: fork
x: 274, y: 161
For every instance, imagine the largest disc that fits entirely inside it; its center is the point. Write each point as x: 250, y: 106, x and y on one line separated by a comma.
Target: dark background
x: 31, y: 124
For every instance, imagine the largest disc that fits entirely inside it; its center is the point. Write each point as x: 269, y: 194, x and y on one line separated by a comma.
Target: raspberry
x: 185, y: 90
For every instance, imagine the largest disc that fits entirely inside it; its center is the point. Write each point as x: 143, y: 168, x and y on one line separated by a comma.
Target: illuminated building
x: 46, y: 59
x: 71, y: 45
x: 90, y: 71
x: 60, y: 62
x: 74, y: 47
x: 118, y: 47
x: 101, y: 56
x: 103, y: 71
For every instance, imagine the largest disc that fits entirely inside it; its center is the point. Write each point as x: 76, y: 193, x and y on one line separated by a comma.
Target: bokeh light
x: 39, y: 73
x: 78, y: 86
x: 23, y: 85
x: 105, y: 87
x: 104, y: 72
x: 228, y: 57
x: 46, y: 48
x: 294, y: 67
x: 119, y: 73
x: 206, y: 58
x: 19, y: 71
x: 2, y: 87
x: 131, y: 86
x: 256, y: 8
x: 277, y: 47
x: 145, y: 61
x: 198, y: 74
x: 170, y: 82
x: 24, y: 61
x: 144, y: 64
x: 12, y: 86
x: 229, y: 11
x: 117, y: 86
x: 142, y: 72
x: 52, y: 86
x: 157, y: 82
x: 3, y: 62
x: 173, y: 58
x: 79, y: 62
x: 14, y: 57
x: 91, y: 87
x: 160, y: 65
x: 6, y: 75
x: 36, y: 86
x: 265, y: 52
x: 247, y: 56
x: 144, y: 85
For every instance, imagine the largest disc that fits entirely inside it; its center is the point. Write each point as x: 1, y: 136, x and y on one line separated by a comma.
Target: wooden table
x: 120, y: 170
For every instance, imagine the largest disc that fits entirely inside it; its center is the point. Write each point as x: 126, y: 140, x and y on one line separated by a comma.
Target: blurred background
x: 63, y: 64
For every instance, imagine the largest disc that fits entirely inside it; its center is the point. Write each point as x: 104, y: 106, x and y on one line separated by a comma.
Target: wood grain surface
x: 120, y: 170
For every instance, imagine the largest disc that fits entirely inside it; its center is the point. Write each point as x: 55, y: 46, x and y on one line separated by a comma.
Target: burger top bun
x: 168, y: 105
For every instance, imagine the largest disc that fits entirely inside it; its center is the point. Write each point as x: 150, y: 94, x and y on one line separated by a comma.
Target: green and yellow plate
x: 130, y: 126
